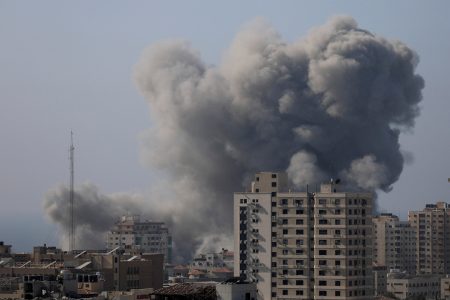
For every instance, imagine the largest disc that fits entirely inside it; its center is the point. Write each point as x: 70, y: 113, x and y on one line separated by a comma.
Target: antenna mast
x: 71, y: 195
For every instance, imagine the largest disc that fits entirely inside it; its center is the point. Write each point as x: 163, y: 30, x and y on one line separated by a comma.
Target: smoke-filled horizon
x: 330, y: 105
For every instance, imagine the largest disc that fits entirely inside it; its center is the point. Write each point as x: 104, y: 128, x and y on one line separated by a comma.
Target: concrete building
x: 236, y: 289
x: 122, y: 271
x: 432, y: 226
x: 394, y: 243
x: 131, y: 233
x: 379, y: 280
x: 47, y: 254
x: 445, y: 287
x: 5, y: 250
x: 303, y: 245
x: 404, y: 286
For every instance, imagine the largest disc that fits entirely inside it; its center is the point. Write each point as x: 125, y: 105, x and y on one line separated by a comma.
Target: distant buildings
x: 5, y: 250
x: 130, y: 233
x: 432, y: 226
x: 205, y: 267
x: 404, y: 286
x: 82, y: 274
x: 394, y: 243
x: 303, y: 245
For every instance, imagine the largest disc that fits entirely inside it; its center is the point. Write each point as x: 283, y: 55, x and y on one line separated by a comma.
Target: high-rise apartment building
x: 131, y: 233
x: 394, y: 243
x: 432, y: 226
x: 303, y: 245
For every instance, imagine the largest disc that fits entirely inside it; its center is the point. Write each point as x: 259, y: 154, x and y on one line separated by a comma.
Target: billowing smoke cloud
x: 95, y: 213
x: 330, y: 105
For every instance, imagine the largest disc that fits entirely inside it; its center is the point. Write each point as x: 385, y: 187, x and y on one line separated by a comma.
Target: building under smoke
x: 131, y: 233
x: 332, y: 104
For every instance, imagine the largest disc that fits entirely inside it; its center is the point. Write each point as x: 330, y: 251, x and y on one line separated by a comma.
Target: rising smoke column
x: 95, y: 213
x: 330, y: 105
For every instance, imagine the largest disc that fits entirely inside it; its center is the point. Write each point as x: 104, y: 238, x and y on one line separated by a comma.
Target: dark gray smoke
x: 330, y: 105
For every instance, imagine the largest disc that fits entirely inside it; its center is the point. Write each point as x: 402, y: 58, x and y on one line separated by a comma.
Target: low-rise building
x: 404, y: 286
x: 236, y: 289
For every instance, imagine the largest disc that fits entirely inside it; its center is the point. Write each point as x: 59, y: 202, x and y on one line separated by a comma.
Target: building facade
x: 130, y: 233
x: 432, y: 226
x: 404, y: 286
x: 394, y: 243
x: 303, y: 245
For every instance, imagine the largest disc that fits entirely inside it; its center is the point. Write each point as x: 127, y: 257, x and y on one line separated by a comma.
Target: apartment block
x: 432, y: 225
x: 303, y: 245
x: 394, y: 243
x: 130, y: 233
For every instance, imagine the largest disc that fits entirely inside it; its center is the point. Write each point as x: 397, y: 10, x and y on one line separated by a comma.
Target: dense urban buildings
x: 303, y: 245
x: 432, y: 226
x: 131, y: 233
x: 394, y: 243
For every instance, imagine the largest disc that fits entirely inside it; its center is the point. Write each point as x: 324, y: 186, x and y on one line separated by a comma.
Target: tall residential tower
x: 303, y: 245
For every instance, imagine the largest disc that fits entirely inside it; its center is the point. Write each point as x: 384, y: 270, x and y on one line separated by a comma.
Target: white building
x: 131, y: 233
x: 306, y: 245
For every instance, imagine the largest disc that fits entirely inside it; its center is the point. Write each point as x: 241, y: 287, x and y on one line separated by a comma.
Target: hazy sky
x: 68, y: 66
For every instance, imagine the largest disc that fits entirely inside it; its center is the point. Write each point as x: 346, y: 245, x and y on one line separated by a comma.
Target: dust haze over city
x: 175, y: 106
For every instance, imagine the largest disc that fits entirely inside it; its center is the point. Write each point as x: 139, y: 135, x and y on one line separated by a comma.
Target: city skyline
x: 86, y: 87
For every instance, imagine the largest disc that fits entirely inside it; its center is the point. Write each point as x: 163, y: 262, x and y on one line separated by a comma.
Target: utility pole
x: 71, y: 195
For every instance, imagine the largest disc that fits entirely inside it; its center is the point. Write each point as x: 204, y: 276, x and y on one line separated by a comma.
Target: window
x: 299, y: 222
x: 322, y: 282
x: 322, y: 293
x: 285, y: 292
x: 274, y: 184
x: 299, y: 231
x: 299, y: 282
x: 322, y: 231
x: 322, y: 201
x: 337, y: 293
x: 285, y: 211
x: 322, y: 252
x: 274, y: 175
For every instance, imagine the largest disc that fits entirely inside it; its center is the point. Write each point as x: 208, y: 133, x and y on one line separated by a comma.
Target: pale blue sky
x: 68, y: 65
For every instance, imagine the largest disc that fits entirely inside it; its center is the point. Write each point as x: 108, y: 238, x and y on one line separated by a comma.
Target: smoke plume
x: 330, y: 105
